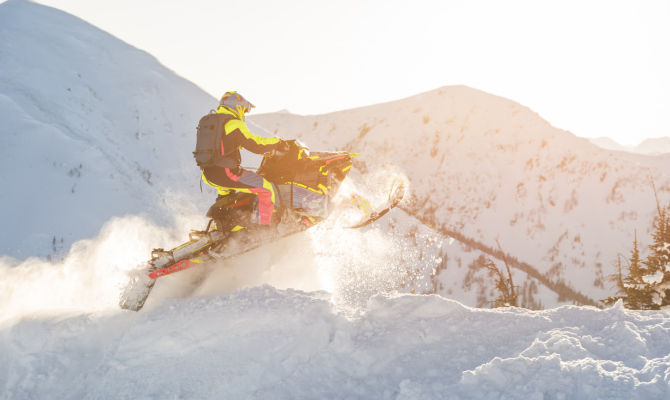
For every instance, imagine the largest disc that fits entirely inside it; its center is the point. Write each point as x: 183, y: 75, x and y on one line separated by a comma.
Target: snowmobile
x: 306, y: 183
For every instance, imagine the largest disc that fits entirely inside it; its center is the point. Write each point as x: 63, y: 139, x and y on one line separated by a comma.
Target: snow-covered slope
x: 493, y: 170
x: 264, y: 343
x: 91, y: 128
x: 431, y: 262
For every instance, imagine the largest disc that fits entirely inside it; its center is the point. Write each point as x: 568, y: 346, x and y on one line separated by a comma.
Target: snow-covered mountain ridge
x: 494, y: 170
x: 91, y: 128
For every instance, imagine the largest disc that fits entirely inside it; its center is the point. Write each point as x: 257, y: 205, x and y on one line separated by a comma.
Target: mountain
x: 493, y: 171
x: 91, y: 128
x: 652, y: 146
x: 610, y: 144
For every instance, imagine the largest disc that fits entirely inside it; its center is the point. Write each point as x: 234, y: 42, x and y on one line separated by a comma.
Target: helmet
x: 236, y: 102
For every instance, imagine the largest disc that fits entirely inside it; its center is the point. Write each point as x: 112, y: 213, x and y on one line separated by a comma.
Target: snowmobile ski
x: 395, y: 196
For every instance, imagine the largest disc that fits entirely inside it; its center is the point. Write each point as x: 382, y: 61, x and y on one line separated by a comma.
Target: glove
x: 283, y: 147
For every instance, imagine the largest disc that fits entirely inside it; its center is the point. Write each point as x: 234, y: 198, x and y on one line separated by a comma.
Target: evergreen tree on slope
x: 658, y: 262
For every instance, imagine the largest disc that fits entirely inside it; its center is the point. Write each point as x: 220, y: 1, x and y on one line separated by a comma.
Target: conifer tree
x: 658, y: 262
x: 637, y: 292
x: 647, y: 285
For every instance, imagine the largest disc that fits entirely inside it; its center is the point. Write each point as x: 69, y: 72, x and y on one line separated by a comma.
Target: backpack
x: 208, y: 141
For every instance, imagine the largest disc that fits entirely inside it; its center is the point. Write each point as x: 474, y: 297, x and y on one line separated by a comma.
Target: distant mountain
x: 653, y: 146
x: 491, y: 170
x: 610, y: 144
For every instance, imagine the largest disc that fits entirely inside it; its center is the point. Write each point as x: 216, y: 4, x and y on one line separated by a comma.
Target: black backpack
x: 208, y: 141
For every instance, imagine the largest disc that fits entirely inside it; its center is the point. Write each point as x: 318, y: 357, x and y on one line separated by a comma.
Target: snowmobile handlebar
x: 288, y: 146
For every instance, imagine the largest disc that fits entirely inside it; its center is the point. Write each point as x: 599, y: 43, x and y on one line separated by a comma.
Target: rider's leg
x: 224, y: 179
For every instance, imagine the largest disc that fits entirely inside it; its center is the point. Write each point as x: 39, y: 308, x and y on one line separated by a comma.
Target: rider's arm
x: 239, y: 132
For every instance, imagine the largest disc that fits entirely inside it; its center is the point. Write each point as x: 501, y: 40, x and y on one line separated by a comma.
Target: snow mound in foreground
x: 264, y: 342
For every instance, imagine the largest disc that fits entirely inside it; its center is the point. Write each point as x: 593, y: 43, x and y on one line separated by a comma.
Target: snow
x: 322, y: 315
x: 654, y: 278
x: 264, y: 342
x: 95, y: 147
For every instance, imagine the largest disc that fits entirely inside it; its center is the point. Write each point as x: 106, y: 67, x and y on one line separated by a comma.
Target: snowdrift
x: 287, y: 344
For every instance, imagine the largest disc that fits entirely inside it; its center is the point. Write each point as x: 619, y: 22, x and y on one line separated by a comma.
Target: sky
x: 594, y: 68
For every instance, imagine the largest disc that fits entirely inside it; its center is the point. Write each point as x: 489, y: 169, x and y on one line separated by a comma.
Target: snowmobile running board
x: 205, y: 257
x: 196, y: 245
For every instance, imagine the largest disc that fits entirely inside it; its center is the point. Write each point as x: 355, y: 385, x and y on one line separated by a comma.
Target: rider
x: 238, y: 136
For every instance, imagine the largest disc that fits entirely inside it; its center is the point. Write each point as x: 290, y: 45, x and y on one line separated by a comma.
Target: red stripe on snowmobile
x: 335, y: 159
x: 239, y: 203
x: 178, y: 266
